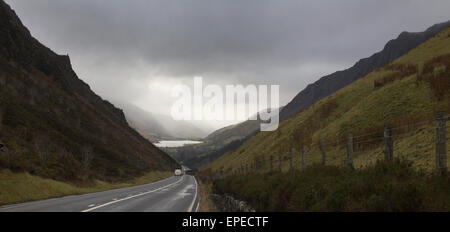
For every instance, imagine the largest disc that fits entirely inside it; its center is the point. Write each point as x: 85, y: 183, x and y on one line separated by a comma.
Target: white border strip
x: 130, y: 197
x: 198, y: 203
x: 195, y: 197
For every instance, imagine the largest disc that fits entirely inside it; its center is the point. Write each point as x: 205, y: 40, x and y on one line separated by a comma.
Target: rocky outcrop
x: 226, y: 203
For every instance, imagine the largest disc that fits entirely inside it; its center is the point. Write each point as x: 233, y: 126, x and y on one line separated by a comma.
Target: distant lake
x: 175, y: 143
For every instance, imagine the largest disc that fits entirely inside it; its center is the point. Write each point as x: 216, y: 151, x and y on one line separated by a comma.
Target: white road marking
x: 195, y: 197
x: 185, y: 191
x: 91, y: 205
x: 130, y: 197
x: 198, y: 204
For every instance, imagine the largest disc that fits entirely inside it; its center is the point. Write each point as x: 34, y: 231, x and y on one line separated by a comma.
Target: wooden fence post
x: 322, y: 149
x: 290, y: 160
x: 271, y: 163
x: 350, y: 151
x: 279, y: 163
x: 303, y: 157
x: 441, y: 146
x: 388, y: 144
x: 262, y: 165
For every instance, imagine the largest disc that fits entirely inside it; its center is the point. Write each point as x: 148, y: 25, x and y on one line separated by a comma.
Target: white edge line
x: 126, y: 198
x: 195, y: 197
x: 198, y: 203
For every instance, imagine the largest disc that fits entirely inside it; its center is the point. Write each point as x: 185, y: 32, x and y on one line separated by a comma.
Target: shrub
x: 399, y: 71
x: 386, y: 186
x: 436, y: 72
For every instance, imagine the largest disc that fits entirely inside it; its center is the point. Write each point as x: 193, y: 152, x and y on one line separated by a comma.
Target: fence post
x: 350, y: 150
x: 322, y: 149
x: 303, y: 157
x: 271, y: 163
x: 388, y: 144
x: 279, y: 163
x: 262, y: 165
x: 441, y: 146
x: 290, y: 159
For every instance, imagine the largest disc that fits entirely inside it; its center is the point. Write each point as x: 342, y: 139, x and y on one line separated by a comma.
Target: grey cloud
x: 116, y: 45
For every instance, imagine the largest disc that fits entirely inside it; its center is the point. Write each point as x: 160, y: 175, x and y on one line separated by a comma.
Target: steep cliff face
x: 53, y: 124
x: 329, y: 84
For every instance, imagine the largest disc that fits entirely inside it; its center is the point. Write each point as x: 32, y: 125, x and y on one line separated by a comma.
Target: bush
x: 436, y: 72
x: 400, y: 71
x: 386, y: 186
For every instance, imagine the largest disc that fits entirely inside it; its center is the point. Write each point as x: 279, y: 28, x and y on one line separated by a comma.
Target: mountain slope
x: 333, y: 82
x: 405, y: 94
x: 216, y: 144
x: 53, y: 125
x: 160, y: 127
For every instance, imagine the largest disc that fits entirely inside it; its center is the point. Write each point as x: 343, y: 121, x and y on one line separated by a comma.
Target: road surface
x: 174, y: 194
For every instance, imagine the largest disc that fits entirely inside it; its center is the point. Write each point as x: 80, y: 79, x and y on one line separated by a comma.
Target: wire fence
x: 423, y: 142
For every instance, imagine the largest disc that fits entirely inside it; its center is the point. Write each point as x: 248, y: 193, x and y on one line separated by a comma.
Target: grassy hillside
x: 405, y: 94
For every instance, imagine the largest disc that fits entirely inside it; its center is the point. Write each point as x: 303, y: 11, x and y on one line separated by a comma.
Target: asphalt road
x: 174, y: 194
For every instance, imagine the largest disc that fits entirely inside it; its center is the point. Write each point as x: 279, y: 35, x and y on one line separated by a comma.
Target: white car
x: 178, y: 172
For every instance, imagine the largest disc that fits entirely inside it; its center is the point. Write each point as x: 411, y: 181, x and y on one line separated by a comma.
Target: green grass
x: 22, y: 187
x: 360, y: 108
x: 395, y: 186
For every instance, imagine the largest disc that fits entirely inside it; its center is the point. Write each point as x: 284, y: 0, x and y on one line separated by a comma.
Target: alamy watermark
x: 237, y: 103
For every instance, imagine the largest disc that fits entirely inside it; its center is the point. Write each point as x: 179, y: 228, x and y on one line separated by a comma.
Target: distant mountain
x: 329, y: 84
x: 54, y: 125
x: 160, y: 127
x: 216, y: 144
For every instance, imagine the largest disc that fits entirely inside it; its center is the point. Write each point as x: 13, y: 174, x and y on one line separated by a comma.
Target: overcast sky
x: 136, y: 50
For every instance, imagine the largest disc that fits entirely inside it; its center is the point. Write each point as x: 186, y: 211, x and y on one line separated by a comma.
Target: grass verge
x: 206, y: 204
x: 22, y: 187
